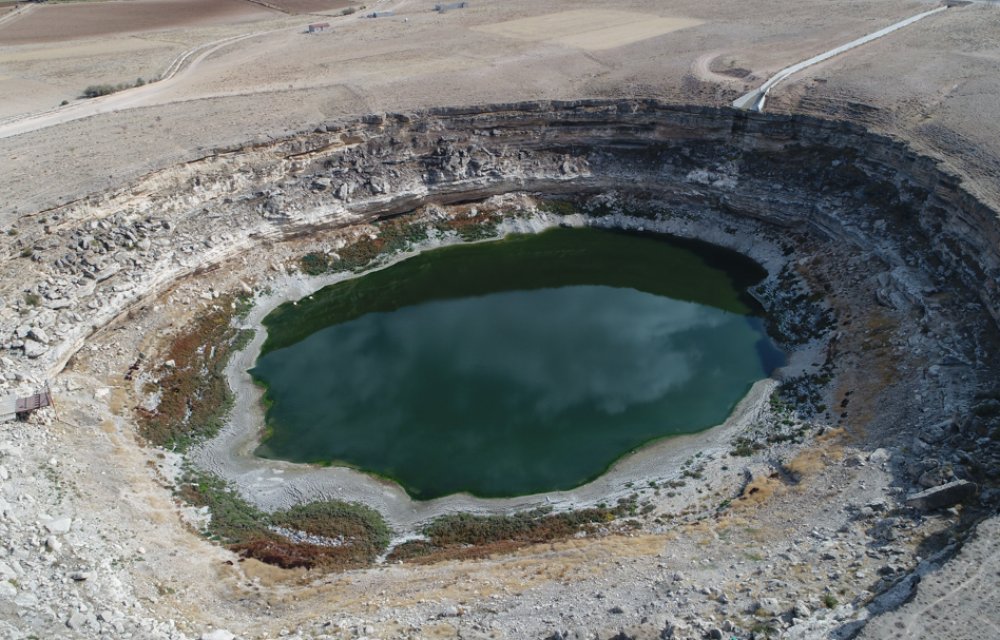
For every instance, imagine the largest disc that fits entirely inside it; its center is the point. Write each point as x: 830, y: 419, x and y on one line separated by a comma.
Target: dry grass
x: 465, y: 536
x: 590, y: 29
x: 812, y: 461
x: 758, y: 492
x: 270, y: 574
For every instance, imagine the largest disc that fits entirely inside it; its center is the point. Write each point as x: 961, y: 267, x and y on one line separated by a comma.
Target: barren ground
x: 310, y: 6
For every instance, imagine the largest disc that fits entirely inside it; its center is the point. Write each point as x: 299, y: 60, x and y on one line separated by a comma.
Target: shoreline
x: 276, y: 484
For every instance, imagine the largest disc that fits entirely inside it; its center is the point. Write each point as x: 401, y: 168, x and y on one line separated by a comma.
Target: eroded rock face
x: 91, y: 260
x: 945, y: 495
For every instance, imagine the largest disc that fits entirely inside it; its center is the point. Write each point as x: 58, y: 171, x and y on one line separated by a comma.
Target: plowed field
x: 58, y: 22
x: 310, y: 6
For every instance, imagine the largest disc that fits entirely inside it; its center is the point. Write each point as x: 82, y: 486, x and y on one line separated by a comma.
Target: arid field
x: 71, y: 21
x: 311, y: 6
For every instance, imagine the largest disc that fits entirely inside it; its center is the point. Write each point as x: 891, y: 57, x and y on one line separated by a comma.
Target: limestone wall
x: 75, y: 268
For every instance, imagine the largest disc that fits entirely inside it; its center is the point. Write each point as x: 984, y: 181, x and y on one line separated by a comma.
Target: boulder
x: 76, y: 621
x: 944, y: 495
x: 321, y: 184
x: 879, y: 456
x: 935, y: 477
x: 767, y: 606
x: 107, y: 272
x: 59, y: 303
x: 34, y: 349
x: 59, y: 526
x: 25, y: 600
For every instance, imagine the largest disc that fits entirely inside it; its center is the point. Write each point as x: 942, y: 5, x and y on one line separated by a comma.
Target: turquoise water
x: 510, y: 390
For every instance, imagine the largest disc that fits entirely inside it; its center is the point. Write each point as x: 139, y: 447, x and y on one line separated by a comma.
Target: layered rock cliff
x: 917, y: 242
x: 75, y: 268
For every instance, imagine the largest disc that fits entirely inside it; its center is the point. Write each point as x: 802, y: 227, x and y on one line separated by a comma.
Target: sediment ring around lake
x: 274, y: 483
x: 520, y: 366
x: 772, y: 188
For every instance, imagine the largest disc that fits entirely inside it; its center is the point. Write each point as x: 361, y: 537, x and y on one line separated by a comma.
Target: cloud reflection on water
x: 507, y: 381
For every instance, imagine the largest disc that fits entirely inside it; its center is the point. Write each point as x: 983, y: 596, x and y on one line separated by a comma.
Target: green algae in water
x: 513, y: 367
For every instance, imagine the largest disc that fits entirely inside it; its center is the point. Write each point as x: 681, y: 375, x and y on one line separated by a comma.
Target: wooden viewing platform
x: 14, y: 407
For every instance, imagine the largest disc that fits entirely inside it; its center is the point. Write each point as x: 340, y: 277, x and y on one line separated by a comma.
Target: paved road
x: 755, y: 100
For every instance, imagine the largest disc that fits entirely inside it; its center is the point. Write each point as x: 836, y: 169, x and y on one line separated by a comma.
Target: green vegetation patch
x: 314, y: 264
x: 338, y: 520
x: 354, y: 535
x: 234, y: 520
x: 558, y: 207
x: 98, y: 90
x: 195, y: 397
x: 802, y: 394
x: 357, y: 534
x: 396, y: 235
x: 464, y: 535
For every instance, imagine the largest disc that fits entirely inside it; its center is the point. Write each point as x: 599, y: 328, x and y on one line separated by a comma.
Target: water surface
x: 513, y: 367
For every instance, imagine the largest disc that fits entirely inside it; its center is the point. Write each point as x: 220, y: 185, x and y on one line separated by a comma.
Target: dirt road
x: 755, y: 100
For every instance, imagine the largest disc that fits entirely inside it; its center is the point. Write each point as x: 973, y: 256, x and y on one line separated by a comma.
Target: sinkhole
x: 512, y: 367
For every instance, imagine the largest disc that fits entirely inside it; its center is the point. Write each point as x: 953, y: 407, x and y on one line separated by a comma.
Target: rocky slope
x: 96, y: 257
x: 871, y: 224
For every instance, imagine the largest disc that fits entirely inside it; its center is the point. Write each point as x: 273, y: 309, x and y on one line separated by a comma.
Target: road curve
x: 180, y: 67
x: 129, y: 98
x: 754, y: 100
